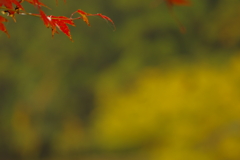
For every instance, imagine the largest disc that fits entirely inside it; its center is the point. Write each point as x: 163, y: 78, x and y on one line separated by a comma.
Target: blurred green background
x: 142, y: 92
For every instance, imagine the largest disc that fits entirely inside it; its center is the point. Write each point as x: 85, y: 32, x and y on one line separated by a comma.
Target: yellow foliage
x: 178, y: 114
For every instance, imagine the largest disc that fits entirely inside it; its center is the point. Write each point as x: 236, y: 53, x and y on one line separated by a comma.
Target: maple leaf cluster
x: 56, y: 23
x: 60, y: 23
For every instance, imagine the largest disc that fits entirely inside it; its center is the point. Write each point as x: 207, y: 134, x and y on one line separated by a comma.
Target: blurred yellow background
x: 143, y: 92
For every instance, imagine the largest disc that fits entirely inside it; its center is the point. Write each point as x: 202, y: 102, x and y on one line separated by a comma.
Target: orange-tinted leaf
x: 107, y: 18
x: 85, y: 19
x: 84, y: 16
x: 2, y: 27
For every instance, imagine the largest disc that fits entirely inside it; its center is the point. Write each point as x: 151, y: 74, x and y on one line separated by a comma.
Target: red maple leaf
x: 9, y: 5
x: 2, y: 27
x: 36, y: 3
x: 59, y: 22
